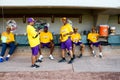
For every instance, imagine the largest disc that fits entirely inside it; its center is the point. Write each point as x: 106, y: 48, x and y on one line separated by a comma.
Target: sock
x: 63, y: 58
x: 72, y: 58
x: 93, y: 51
x: 1, y: 57
x: 100, y: 53
x: 8, y: 55
x: 81, y: 54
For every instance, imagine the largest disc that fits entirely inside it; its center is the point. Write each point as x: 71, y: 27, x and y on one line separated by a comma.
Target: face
x: 32, y: 23
x: 93, y: 30
x: 75, y: 30
x: 45, y: 29
x: 8, y: 30
x: 64, y: 21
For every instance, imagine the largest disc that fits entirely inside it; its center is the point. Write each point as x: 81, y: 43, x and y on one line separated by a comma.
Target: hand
x: 65, y: 34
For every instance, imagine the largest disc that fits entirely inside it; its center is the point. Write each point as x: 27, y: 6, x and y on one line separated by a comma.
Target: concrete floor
x: 21, y: 61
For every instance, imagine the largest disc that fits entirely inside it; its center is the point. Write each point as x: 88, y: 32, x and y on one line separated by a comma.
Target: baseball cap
x: 64, y: 18
x: 45, y: 26
x: 75, y: 28
x: 8, y: 27
x: 30, y: 20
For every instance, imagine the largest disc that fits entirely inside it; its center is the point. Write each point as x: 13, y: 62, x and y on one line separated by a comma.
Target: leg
x: 100, y: 50
x: 92, y: 50
x: 12, y: 48
x: 4, y: 47
x: 68, y: 45
x: 73, y: 48
x: 82, y: 46
x: 40, y: 53
x: 63, y: 56
x: 34, y: 55
x: 51, y: 45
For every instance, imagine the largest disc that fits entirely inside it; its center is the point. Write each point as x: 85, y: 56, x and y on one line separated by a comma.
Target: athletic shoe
x: 1, y: 60
x: 35, y: 66
x: 62, y: 60
x: 40, y: 57
x: 51, y: 57
x: 68, y: 53
x: 80, y: 56
x: 7, y: 58
x: 93, y: 52
x: 39, y: 60
x: 100, y: 55
x: 71, y: 61
x: 73, y: 56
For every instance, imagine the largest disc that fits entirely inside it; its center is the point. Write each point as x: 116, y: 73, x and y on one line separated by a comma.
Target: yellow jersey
x: 76, y: 37
x: 32, y: 38
x: 65, y: 29
x: 46, y: 37
x: 93, y: 37
x: 7, y: 38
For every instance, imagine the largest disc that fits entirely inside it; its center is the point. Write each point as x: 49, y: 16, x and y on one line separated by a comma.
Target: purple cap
x: 45, y: 26
x: 30, y: 20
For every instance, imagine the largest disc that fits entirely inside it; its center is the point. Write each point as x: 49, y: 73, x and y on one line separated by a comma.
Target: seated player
x: 46, y: 40
x: 93, y: 40
x: 76, y: 40
x: 8, y: 40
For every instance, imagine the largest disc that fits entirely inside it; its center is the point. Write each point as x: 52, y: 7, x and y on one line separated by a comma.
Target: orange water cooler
x: 103, y: 30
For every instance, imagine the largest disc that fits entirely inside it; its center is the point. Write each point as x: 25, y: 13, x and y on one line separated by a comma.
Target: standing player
x: 93, y: 40
x: 76, y: 40
x: 33, y: 38
x: 66, y: 43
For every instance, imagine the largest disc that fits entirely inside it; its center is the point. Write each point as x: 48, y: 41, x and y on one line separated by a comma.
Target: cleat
x: 70, y: 62
x: 80, y: 56
x: 39, y: 60
x: 35, y: 66
x: 62, y: 60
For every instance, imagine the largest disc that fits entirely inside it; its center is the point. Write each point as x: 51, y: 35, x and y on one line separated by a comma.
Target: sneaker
x: 35, y: 66
x: 68, y: 53
x: 73, y: 56
x: 100, y: 55
x: 93, y: 52
x: 71, y: 61
x: 51, y: 57
x: 40, y: 57
x: 62, y: 60
x: 7, y: 58
x: 39, y: 60
x: 80, y: 56
x: 1, y: 60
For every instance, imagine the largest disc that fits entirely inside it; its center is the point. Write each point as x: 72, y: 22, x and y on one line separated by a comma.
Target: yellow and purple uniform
x: 65, y: 40
x: 46, y: 37
x: 32, y: 38
x: 75, y: 37
x: 93, y: 37
x: 64, y: 30
x: 8, y: 37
